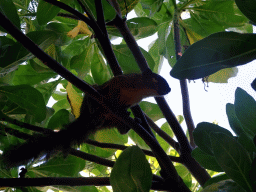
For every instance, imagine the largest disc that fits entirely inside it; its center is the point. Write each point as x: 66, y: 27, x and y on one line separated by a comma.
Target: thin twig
x: 15, y: 132
x: 183, y: 84
x: 176, y: 127
x: 88, y: 13
x: 162, y: 134
x: 122, y: 147
x: 131, y: 43
x: 100, y: 17
x: 24, y: 125
x: 67, y: 181
x: 193, y: 166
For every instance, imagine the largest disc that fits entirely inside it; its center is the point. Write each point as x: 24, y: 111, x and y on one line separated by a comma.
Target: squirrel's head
x: 156, y: 82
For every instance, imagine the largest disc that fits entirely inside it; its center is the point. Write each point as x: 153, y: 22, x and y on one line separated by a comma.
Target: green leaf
x: 108, y: 136
x: 253, y: 173
x: 248, y: 8
x: 138, y: 140
x: 199, y: 27
x: 202, y: 135
x: 223, y: 13
x: 59, y: 119
x: 5, y: 43
x: 131, y: 172
x: 234, y: 122
x: 58, y: 165
x: 82, y: 62
x: 232, y: 158
x: 140, y: 27
x: 218, y: 51
x: 61, y: 104
x: 184, y: 174
x: 245, y: 108
x: 127, y: 61
x: 27, y: 75
x: 152, y: 110
x: 162, y: 36
x: 167, y: 129
x: 20, y: 54
x: 27, y: 98
x: 247, y: 143
x: 223, y: 75
x: 9, y: 10
x: 12, y: 108
x: 109, y: 12
x: 60, y: 27
x: 154, y: 53
x: 99, y: 69
x: 216, y: 179
x: 46, y: 12
x: 75, y: 48
x: 151, y: 5
x: 206, y: 160
x: 226, y: 185
x: 47, y: 89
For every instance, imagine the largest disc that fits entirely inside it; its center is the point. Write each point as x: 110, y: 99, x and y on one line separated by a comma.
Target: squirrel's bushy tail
x: 45, y: 144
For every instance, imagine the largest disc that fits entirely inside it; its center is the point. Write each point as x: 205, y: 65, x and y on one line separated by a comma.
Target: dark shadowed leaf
x: 140, y: 27
x: 127, y: 61
x: 9, y: 10
x: 131, y: 172
x: 46, y: 12
x: 232, y: 158
x: 58, y: 166
x: 253, y: 84
x: 206, y: 160
x: 248, y: 8
x: 245, y: 108
x: 234, y: 122
x: 202, y: 135
x: 215, y: 179
x: 20, y: 54
x: 218, y: 51
x: 27, y: 98
x: 226, y: 185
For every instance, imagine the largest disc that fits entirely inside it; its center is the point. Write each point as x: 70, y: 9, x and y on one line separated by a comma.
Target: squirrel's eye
x: 154, y: 80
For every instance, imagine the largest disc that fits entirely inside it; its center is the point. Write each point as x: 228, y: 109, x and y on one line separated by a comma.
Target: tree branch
x: 122, y: 147
x: 121, y: 25
x: 24, y: 125
x: 183, y: 84
x: 193, y: 166
x: 15, y: 132
x: 67, y: 181
x: 162, y: 134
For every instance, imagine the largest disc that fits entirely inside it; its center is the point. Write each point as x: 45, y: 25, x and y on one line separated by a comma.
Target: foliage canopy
x: 75, y: 34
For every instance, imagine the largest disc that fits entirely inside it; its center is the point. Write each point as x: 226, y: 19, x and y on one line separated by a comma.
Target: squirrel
x: 122, y: 92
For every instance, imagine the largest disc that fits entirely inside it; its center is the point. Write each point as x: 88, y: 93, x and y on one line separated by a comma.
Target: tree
x: 78, y: 48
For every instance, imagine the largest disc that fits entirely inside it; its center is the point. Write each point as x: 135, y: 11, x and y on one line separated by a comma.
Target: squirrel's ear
x: 147, y: 72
